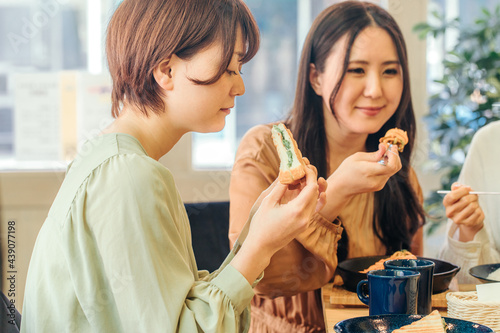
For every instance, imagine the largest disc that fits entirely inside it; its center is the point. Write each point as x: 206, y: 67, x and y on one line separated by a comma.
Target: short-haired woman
x: 114, y: 254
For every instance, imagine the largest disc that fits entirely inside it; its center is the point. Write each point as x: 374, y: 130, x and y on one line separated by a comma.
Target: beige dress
x: 287, y: 299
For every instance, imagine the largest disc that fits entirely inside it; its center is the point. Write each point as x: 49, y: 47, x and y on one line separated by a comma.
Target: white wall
x: 25, y: 198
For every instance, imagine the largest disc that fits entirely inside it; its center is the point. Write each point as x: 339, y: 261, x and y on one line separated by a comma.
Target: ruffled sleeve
x: 310, y: 260
x: 134, y: 250
x: 150, y: 239
x: 115, y: 254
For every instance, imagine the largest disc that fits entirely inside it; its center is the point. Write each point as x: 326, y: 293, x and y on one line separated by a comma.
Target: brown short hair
x: 143, y: 33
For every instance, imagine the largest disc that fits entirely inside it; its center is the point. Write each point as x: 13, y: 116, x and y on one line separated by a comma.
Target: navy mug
x: 426, y: 270
x: 390, y: 291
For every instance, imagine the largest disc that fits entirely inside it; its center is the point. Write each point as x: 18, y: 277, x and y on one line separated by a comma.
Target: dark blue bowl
x: 481, y: 272
x: 350, y: 269
x: 388, y: 323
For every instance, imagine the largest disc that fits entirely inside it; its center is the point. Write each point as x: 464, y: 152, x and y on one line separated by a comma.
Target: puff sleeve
x: 115, y: 255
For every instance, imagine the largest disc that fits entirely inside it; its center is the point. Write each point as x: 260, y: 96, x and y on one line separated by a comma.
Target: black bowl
x: 481, y: 272
x: 349, y: 271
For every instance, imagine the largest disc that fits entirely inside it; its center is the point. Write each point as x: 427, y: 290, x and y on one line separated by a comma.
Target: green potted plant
x: 468, y: 97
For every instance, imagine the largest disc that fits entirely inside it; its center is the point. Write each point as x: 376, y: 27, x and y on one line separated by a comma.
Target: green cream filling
x: 287, y: 145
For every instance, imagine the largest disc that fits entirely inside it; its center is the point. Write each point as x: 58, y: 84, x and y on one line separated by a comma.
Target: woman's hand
x: 286, y: 211
x: 464, y: 210
x: 360, y: 173
x: 293, y: 191
x: 282, y: 214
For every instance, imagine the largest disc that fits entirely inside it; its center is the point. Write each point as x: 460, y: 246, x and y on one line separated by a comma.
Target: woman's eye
x: 230, y: 72
x: 356, y: 70
x: 391, y: 71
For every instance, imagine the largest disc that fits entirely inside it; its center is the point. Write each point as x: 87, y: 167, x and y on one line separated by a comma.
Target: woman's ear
x: 314, y: 79
x: 163, y: 74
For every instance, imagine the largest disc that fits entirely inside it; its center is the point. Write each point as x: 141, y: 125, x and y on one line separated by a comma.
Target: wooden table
x: 340, y: 304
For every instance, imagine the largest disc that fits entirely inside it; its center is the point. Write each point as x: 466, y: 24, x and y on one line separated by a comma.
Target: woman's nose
x: 373, y: 86
x: 238, y: 87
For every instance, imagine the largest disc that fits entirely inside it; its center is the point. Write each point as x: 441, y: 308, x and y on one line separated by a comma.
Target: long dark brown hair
x: 143, y: 33
x: 397, y: 202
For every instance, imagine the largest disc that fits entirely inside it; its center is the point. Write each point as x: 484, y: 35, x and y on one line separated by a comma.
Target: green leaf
x: 486, y: 12
x: 421, y: 26
x: 453, y: 118
x: 437, y: 15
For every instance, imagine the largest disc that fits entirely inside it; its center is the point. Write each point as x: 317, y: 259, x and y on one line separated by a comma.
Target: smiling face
x: 203, y: 108
x: 372, y: 86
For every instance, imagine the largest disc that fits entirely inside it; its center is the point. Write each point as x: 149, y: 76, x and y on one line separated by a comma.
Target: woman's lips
x: 370, y: 111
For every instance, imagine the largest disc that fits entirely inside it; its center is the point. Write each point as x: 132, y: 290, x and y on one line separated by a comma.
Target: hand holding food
x: 395, y: 136
x: 292, y: 165
x: 360, y: 172
x: 275, y: 223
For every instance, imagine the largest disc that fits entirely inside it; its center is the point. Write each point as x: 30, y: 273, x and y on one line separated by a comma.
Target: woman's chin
x: 214, y: 128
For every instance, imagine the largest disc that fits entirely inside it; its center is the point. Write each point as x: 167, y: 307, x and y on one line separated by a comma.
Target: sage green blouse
x: 115, y: 254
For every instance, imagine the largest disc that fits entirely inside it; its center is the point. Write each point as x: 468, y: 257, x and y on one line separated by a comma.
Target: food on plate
x: 403, y: 254
x: 292, y: 165
x: 395, y: 136
x: 495, y: 275
x: 432, y: 323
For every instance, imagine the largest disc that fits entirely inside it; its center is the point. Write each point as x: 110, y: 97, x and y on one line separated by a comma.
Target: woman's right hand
x: 359, y: 173
x: 464, y: 210
x: 282, y: 215
x: 286, y: 211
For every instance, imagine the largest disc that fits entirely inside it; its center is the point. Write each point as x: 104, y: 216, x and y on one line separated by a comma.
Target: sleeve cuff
x: 235, y: 286
x: 468, y: 250
x: 335, y: 226
x: 482, y: 236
